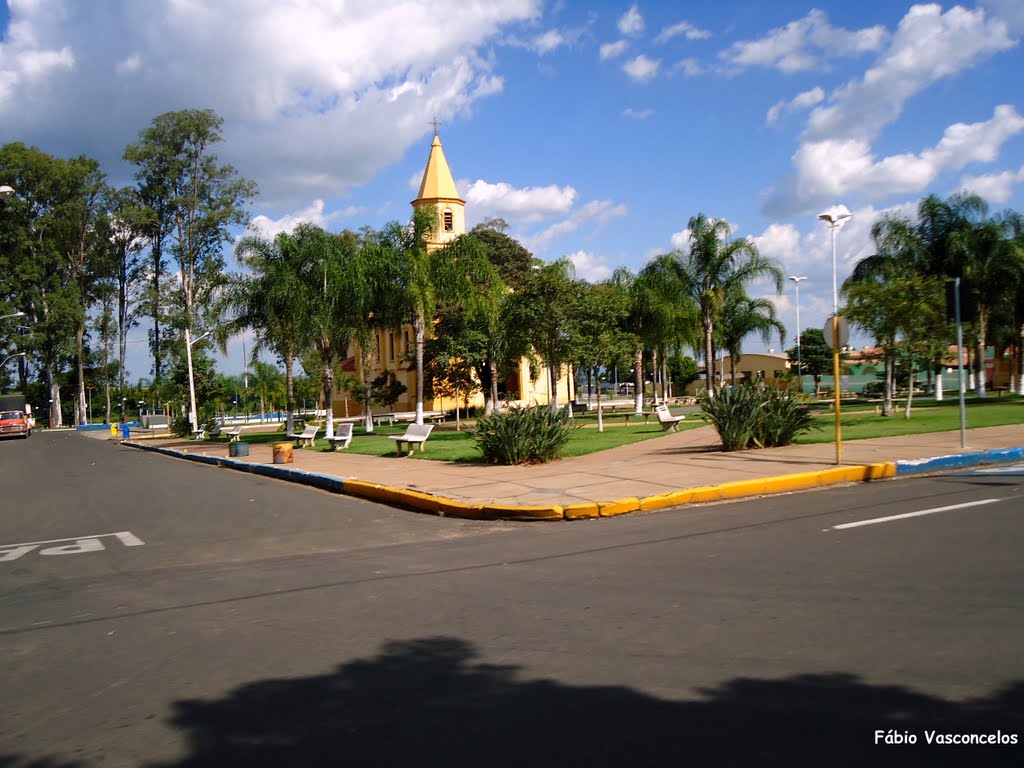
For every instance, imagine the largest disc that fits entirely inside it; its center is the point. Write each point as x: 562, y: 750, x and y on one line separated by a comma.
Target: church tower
x: 439, y: 196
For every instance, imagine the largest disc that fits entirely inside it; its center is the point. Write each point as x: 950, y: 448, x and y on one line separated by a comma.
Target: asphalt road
x: 238, y: 620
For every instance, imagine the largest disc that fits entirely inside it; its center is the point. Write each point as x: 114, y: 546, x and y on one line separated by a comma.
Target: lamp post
x: 15, y: 314
x: 11, y: 357
x: 799, y: 371
x: 193, y: 417
x: 89, y: 389
x: 833, y: 219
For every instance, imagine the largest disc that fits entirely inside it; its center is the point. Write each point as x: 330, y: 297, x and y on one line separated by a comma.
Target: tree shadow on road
x: 434, y: 702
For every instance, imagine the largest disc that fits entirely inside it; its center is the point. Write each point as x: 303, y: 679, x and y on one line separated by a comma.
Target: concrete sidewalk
x: 651, y: 468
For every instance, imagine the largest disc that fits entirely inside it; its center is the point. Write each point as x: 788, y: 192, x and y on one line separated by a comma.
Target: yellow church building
x: 394, y: 348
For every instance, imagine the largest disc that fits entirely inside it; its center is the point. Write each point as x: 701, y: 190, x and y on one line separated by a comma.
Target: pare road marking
x: 75, y: 545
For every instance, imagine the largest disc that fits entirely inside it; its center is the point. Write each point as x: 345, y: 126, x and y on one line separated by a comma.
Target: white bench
x: 306, y: 437
x: 666, y: 419
x: 342, y: 437
x: 233, y: 434
x: 415, y: 434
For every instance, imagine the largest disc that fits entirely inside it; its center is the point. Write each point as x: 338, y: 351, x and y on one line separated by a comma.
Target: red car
x: 14, y: 424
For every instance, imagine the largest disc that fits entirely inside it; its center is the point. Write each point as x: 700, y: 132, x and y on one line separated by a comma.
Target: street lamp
x: 799, y: 371
x: 11, y: 357
x: 6, y: 191
x: 189, y: 341
x: 16, y: 314
x: 834, y: 218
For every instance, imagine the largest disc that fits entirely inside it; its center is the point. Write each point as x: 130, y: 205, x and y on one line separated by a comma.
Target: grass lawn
x: 859, y: 422
x: 931, y: 417
x: 445, y: 444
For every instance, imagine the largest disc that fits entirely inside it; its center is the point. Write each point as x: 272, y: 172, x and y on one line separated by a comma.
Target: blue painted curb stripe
x: 276, y: 471
x: 956, y: 461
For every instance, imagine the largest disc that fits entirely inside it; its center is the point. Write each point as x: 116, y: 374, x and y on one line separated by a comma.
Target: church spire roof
x: 437, y: 183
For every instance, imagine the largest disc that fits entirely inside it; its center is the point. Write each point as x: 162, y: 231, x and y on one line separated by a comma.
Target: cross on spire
x: 435, y: 122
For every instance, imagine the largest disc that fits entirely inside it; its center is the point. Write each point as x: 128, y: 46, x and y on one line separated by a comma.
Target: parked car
x: 14, y: 424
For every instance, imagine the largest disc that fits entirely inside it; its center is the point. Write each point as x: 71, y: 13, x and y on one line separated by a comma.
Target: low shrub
x: 523, y: 435
x: 755, y: 415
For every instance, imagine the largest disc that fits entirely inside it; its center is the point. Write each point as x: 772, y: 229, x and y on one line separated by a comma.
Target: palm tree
x: 989, y: 258
x: 457, y: 274
x: 715, y: 268
x: 276, y: 300
x: 742, y: 316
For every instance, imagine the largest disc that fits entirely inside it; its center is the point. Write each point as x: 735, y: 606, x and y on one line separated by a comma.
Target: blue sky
x: 595, y: 129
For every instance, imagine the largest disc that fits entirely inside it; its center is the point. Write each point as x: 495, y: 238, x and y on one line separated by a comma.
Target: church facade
x: 395, y: 348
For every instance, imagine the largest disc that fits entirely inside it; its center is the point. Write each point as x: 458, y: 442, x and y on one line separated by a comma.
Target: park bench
x: 306, y: 437
x: 233, y: 434
x: 342, y: 437
x: 666, y: 419
x: 415, y: 434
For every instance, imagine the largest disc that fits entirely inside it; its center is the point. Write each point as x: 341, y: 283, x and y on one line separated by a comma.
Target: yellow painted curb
x: 581, y: 511
x: 799, y: 481
x: 513, y: 512
x: 618, y: 507
x: 662, y: 500
x: 460, y: 509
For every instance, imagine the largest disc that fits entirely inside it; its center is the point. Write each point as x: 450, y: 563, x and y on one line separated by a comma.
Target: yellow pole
x: 835, y: 387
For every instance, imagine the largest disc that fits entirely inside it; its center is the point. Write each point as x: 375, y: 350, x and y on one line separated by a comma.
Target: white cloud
x: 928, y: 45
x: 522, y: 204
x: 597, y: 212
x: 589, y: 267
x: 641, y: 68
x: 129, y: 64
x: 316, y: 97
x: 824, y: 170
x: 269, y: 228
x: 548, y: 41
x: 631, y: 23
x: 1010, y: 11
x: 680, y: 241
x: 689, y: 67
x: 637, y: 114
x: 780, y: 242
x: 804, y: 44
x: 803, y: 100
x: 684, y: 28
x: 613, y: 50
x: 994, y: 187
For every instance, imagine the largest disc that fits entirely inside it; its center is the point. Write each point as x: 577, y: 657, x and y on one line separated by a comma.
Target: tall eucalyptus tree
x: 202, y: 198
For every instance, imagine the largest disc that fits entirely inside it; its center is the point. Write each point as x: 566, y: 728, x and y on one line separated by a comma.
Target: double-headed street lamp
x: 834, y: 218
x: 799, y: 371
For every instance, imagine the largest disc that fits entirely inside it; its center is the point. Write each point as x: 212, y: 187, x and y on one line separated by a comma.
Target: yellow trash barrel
x: 283, y: 453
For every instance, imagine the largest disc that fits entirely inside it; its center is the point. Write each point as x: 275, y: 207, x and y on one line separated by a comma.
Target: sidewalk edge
x: 444, y: 507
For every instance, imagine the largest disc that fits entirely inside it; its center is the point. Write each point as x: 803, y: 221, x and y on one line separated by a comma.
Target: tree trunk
x: 367, y: 412
x: 56, y: 420
x: 419, y: 326
x: 980, y: 354
x: 80, y: 368
x: 553, y: 381
x: 289, y: 379
x: 910, y: 390
x: 654, y: 374
x: 638, y: 380
x: 709, y: 355
x: 887, y: 396
x: 493, y: 365
x: 1020, y: 363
